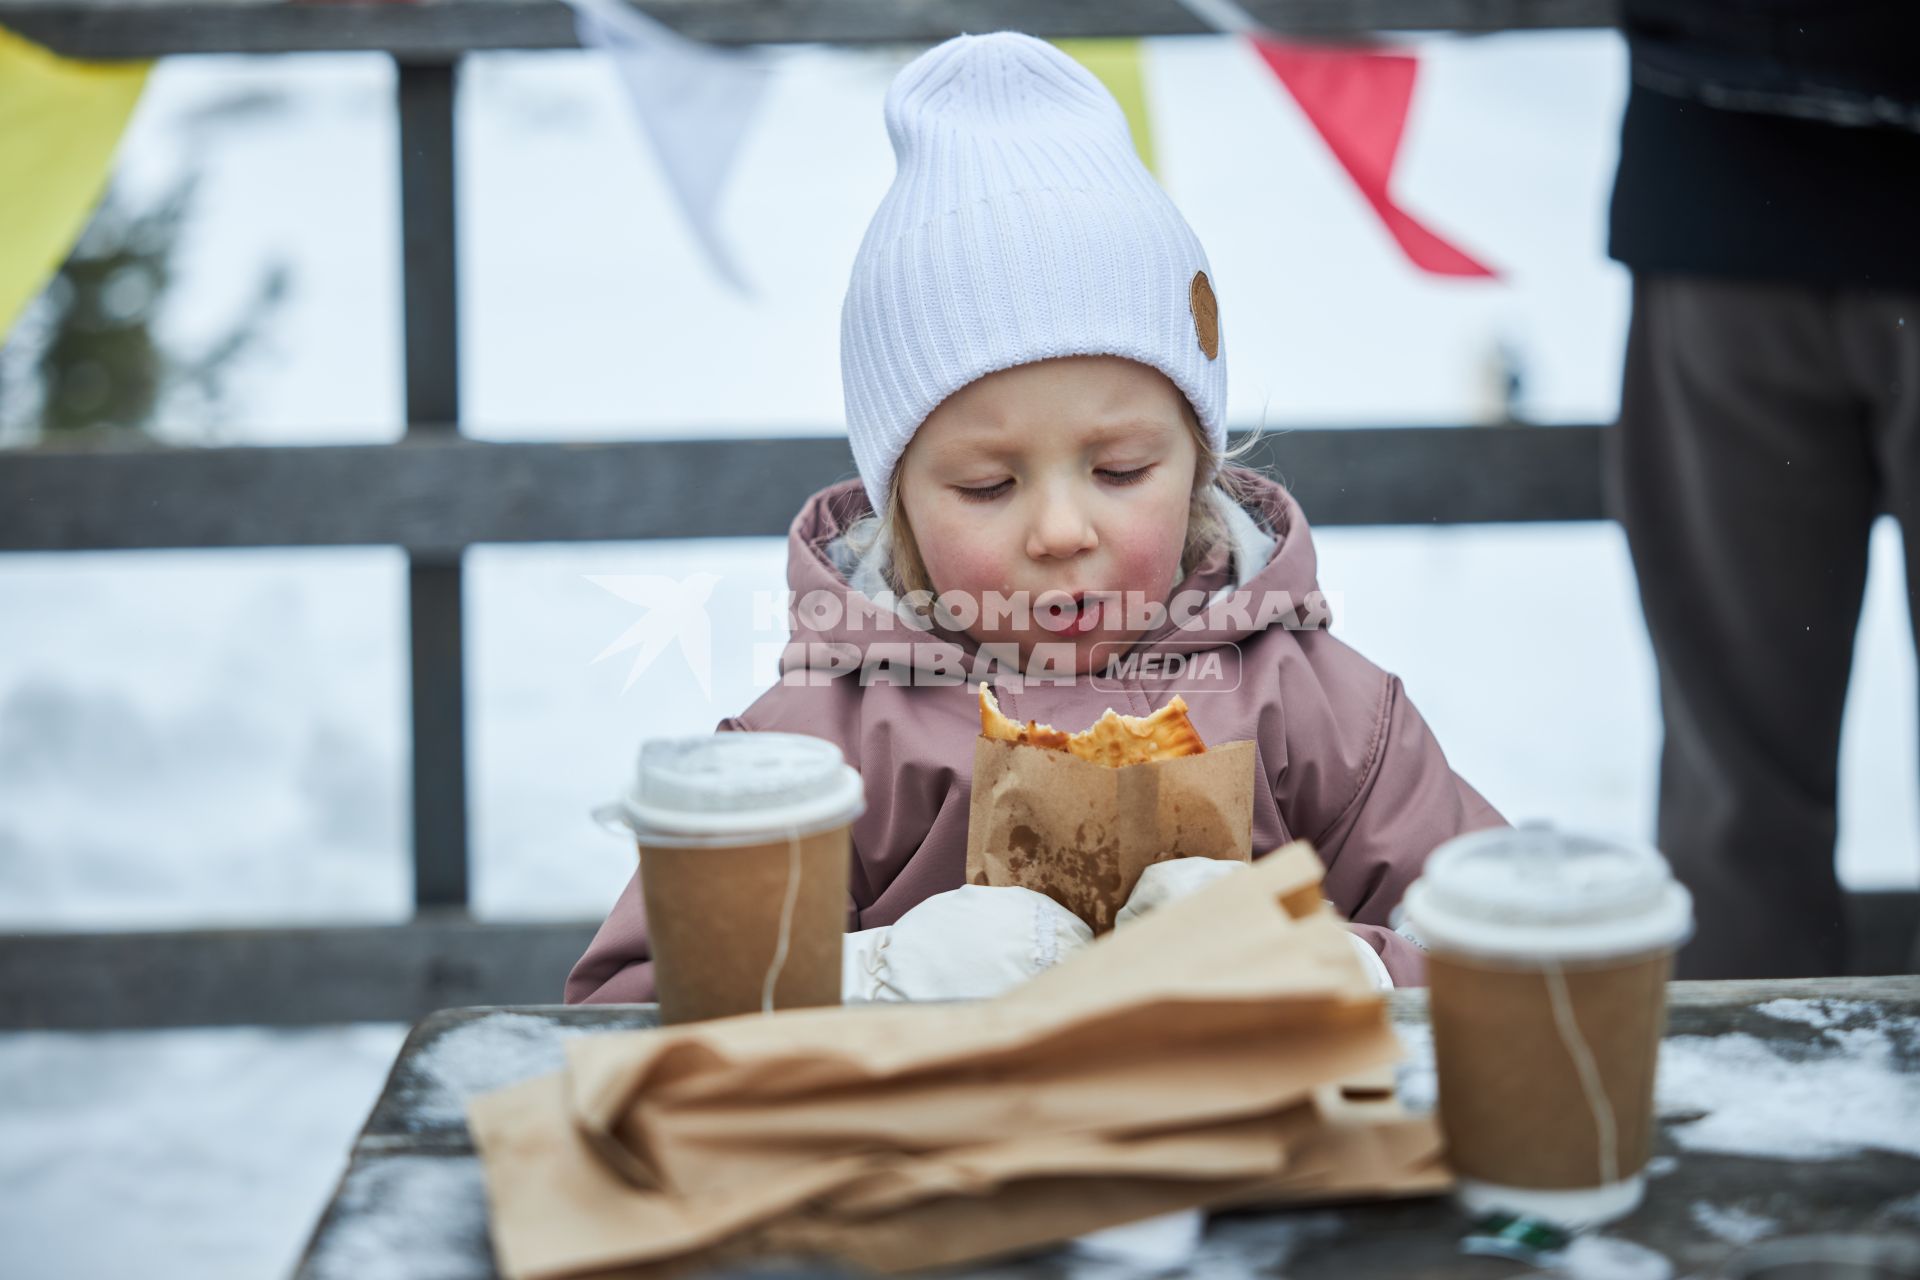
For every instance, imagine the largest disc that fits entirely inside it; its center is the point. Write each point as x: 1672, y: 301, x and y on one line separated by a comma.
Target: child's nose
x: 1061, y: 529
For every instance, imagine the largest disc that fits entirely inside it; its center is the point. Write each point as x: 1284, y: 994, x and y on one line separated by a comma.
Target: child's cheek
x: 962, y: 559
x: 1147, y: 550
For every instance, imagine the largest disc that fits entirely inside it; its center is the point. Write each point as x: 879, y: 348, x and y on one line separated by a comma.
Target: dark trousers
x: 1761, y: 428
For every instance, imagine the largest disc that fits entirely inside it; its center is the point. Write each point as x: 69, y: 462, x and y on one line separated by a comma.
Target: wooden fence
x: 436, y: 492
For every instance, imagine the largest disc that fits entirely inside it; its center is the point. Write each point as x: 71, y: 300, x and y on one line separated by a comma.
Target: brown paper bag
x: 1082, y: 833
x: 557, y: 1211
x: 1185, y: 1060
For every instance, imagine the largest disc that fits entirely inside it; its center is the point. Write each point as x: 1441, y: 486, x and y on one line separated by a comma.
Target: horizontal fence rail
x: 402, y: 972
x: 280, y: 976
x: 437, y: 492
x: 442, y: 30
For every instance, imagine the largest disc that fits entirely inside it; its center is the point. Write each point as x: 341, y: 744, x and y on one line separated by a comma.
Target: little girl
x: 1035, y: 378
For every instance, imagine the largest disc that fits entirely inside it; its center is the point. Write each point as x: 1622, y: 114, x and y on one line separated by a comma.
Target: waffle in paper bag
x: 1079, y: 816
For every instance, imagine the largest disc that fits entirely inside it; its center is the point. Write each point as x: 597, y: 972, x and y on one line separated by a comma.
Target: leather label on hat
x: 1206, y: 314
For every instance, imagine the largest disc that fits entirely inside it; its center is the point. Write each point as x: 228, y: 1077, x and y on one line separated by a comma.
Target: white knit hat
x: 1020, y: 226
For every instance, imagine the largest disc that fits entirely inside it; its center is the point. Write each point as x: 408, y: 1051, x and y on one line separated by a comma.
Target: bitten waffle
x: 1113, y: 740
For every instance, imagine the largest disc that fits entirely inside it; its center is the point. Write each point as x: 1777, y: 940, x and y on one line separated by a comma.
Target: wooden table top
x: 1786, y: 1108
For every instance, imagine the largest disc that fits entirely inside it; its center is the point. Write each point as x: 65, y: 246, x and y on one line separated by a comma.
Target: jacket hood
x: 1265, y: 574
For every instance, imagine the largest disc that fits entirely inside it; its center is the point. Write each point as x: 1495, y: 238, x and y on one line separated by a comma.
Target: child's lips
x: 1072, y: 615
x: 1076, y: 616
x: 1086, y: 619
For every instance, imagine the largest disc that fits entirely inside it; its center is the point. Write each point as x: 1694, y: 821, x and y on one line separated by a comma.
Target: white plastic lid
x: 731, y: 787
x: 1536, y: 892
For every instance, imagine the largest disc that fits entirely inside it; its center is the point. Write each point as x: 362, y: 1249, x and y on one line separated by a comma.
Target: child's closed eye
x: 987, y: 494
x: 1117, y: 478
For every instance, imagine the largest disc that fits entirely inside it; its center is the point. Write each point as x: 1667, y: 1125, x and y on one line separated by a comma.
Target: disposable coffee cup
x: 744, y: 846
x: 1548, y: 958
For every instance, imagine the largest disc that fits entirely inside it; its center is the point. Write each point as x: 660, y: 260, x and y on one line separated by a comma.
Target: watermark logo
x: 824, y: 635
x: 676, y: 615
x: 1215, y: 669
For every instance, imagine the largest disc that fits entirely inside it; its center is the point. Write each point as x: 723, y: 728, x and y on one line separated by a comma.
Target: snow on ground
x: 220, y: 737
x: 195, y: 738
x: 203, y: 1154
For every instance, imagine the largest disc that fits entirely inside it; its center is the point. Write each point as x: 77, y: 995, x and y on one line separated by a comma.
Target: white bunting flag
x: 695, y: 102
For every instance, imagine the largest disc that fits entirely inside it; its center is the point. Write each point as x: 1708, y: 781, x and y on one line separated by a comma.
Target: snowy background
x: 220, y: 737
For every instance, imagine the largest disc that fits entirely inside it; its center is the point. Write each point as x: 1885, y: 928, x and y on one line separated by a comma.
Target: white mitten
x: 1370, y: 960
x: 969, y: 943
x: 1165, y: 882
x: 859, y: 955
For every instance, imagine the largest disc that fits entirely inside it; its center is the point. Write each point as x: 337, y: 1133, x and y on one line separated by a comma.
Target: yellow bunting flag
x: 60, y: 120
x: 1118, y: 64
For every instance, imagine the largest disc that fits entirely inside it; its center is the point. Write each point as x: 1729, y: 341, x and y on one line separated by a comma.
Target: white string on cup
x: 785, y: 938
x: 1589, y: 1072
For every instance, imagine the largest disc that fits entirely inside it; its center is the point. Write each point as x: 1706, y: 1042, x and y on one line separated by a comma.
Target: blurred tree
x: 86, y: 361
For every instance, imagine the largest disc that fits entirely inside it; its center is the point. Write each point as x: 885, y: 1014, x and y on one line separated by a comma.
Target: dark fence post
x: 430, y: 299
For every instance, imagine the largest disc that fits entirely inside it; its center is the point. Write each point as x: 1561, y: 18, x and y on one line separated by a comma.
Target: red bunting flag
x: 1357, y: 100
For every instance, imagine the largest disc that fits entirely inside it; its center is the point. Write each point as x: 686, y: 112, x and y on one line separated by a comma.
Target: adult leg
x: 1882, y: 345
x: 1743, y: 475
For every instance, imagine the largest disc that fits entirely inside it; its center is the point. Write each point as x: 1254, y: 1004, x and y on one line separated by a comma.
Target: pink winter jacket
x: 1345, y: 760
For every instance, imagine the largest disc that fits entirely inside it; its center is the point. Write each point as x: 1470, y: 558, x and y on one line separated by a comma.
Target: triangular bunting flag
x: 695, y: 102
x: 60, y: 120
x: 1357, y: 100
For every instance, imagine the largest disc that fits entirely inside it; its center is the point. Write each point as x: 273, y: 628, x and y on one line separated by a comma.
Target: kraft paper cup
x: 744, y: 847
x: 1548, y: 959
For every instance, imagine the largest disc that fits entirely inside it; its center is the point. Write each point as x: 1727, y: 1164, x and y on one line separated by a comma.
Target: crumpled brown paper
x: 1082, y: 833
x: 1190, y: 1059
